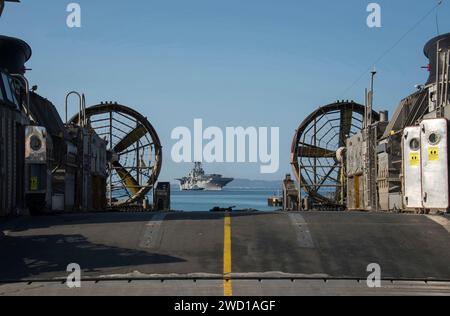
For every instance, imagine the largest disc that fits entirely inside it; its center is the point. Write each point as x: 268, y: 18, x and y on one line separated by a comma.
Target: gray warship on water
x: 197, y: 180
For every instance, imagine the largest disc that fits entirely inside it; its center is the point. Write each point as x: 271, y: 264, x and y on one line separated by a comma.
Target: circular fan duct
x: 317, y: 151
x: 134, y: 152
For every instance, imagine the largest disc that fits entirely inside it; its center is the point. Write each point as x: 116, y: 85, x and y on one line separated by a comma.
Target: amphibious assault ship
x: 197, y: 180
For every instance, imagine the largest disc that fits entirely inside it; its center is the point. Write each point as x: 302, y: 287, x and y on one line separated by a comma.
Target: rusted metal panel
x: 355, y: 193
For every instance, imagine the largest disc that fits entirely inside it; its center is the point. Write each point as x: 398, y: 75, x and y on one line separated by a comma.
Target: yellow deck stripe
x: 227, y: 286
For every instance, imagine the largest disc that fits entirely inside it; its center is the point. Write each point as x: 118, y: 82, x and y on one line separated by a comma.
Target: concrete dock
x: 253, y: 254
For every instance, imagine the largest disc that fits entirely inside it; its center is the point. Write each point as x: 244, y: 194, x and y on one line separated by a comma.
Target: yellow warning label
x: 34, y: 184
x: 414, y: 159
x: 433, y: 154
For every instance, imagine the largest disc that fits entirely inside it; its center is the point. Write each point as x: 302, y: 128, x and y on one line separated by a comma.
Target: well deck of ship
x: 215, y: 253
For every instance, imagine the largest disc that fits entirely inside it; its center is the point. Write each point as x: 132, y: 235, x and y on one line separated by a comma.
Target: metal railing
x: 81, y: 108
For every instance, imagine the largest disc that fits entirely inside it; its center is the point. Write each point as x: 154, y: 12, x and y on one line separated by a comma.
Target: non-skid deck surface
x: 191, y: 245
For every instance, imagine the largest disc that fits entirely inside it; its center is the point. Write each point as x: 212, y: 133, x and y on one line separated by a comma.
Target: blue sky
x: 231, y: 63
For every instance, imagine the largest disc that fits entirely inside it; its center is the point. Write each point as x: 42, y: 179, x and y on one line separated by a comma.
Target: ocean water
x: 203, y: 201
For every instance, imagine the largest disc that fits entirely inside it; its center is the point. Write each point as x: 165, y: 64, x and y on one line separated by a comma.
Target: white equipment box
x: 412, y: 198
x: 434, y: 163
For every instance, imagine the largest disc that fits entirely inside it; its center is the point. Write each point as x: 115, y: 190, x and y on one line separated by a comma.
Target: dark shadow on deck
x: 48, y: 256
